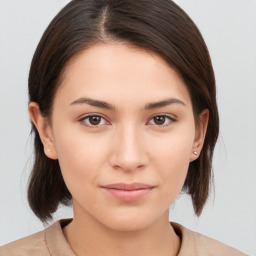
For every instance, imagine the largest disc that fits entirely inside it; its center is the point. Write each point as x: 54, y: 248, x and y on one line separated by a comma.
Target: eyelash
x: 82, y: 120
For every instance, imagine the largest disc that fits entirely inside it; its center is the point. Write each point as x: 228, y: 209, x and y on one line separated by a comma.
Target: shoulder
x: 31, y: 245
x: 202, y: 245
x: 50, y: 241
x: 209, y: 246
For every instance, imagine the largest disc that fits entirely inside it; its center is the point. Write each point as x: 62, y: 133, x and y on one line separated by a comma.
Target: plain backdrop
x: 229, y: 29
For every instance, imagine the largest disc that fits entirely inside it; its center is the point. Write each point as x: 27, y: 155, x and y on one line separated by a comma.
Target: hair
x: 156, y: 25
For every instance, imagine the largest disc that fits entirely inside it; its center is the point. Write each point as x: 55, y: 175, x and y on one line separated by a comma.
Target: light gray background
x: 229, y: 28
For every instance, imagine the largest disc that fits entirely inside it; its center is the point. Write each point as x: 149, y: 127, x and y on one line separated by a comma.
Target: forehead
x: 118, y: 72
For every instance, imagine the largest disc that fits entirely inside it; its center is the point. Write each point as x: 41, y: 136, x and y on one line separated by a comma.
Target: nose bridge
x: 128, y: 150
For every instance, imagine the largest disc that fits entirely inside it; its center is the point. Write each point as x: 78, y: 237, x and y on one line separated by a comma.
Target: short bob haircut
x: 155, y: 25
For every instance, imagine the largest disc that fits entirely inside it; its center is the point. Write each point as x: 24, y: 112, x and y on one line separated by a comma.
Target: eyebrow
x: 94, y: 103
x: 105, y: 105
x: 164, y: 103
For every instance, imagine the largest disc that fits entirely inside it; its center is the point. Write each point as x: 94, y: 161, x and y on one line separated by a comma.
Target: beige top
x: 51, y: 242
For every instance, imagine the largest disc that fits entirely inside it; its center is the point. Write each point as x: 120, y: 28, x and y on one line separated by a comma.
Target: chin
x: 127, y: 225
x: 131, y: 221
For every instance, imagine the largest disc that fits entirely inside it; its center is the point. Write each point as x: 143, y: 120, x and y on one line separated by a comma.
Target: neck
x: 88, y: 237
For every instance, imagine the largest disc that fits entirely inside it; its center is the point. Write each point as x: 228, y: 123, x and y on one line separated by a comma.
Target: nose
x: 128, y: 150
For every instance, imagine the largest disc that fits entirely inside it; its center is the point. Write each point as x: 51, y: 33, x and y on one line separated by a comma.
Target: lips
x: 128, y: 192
x: 123, y: 186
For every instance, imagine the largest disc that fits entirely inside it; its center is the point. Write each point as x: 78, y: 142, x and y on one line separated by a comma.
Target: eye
x: 161, y: 120
x: 93, y: 120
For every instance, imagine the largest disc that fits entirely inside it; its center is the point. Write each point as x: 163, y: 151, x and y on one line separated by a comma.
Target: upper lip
x: 125, y: 186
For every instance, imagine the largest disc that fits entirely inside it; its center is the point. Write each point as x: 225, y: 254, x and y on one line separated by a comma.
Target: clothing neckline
x: 58, y: 245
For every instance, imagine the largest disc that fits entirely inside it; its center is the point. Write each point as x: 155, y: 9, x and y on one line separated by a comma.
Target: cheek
x: 171, y: 158
x: 79, y: 157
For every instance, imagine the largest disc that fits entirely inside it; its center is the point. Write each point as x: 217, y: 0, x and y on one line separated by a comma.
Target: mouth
x: 128, y: 192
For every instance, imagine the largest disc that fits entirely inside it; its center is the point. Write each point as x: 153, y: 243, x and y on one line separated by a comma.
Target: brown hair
x: 157, y: 25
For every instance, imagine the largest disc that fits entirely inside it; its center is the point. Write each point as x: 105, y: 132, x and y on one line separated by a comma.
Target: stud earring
x: 195, y: 152
x: 49, y: 150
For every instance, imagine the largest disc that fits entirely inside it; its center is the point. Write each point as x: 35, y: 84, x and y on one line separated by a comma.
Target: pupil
x: 159, y: 120
x: 94, y: 120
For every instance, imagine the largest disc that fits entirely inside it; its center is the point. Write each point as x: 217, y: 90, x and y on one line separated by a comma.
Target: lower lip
x: 128, y: 195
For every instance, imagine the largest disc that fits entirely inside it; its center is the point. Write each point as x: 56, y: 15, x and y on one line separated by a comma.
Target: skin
x: 127, y: 145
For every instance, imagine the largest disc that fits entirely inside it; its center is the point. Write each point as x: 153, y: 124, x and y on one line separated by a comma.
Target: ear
x: 201, y: 129
x: 44, y: 129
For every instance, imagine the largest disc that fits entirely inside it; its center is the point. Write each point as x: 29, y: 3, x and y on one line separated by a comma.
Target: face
x: 124, y: 133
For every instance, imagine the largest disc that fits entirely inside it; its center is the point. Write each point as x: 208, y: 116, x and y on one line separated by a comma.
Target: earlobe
x: 201, y: 129
x: 44, y: 129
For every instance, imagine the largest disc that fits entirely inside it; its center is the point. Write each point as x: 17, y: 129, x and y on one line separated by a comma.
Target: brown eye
x: 161, y: 120
x: 93, y: 121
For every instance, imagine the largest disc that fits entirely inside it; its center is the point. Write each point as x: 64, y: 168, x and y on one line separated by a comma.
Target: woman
x: 123, y: 109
